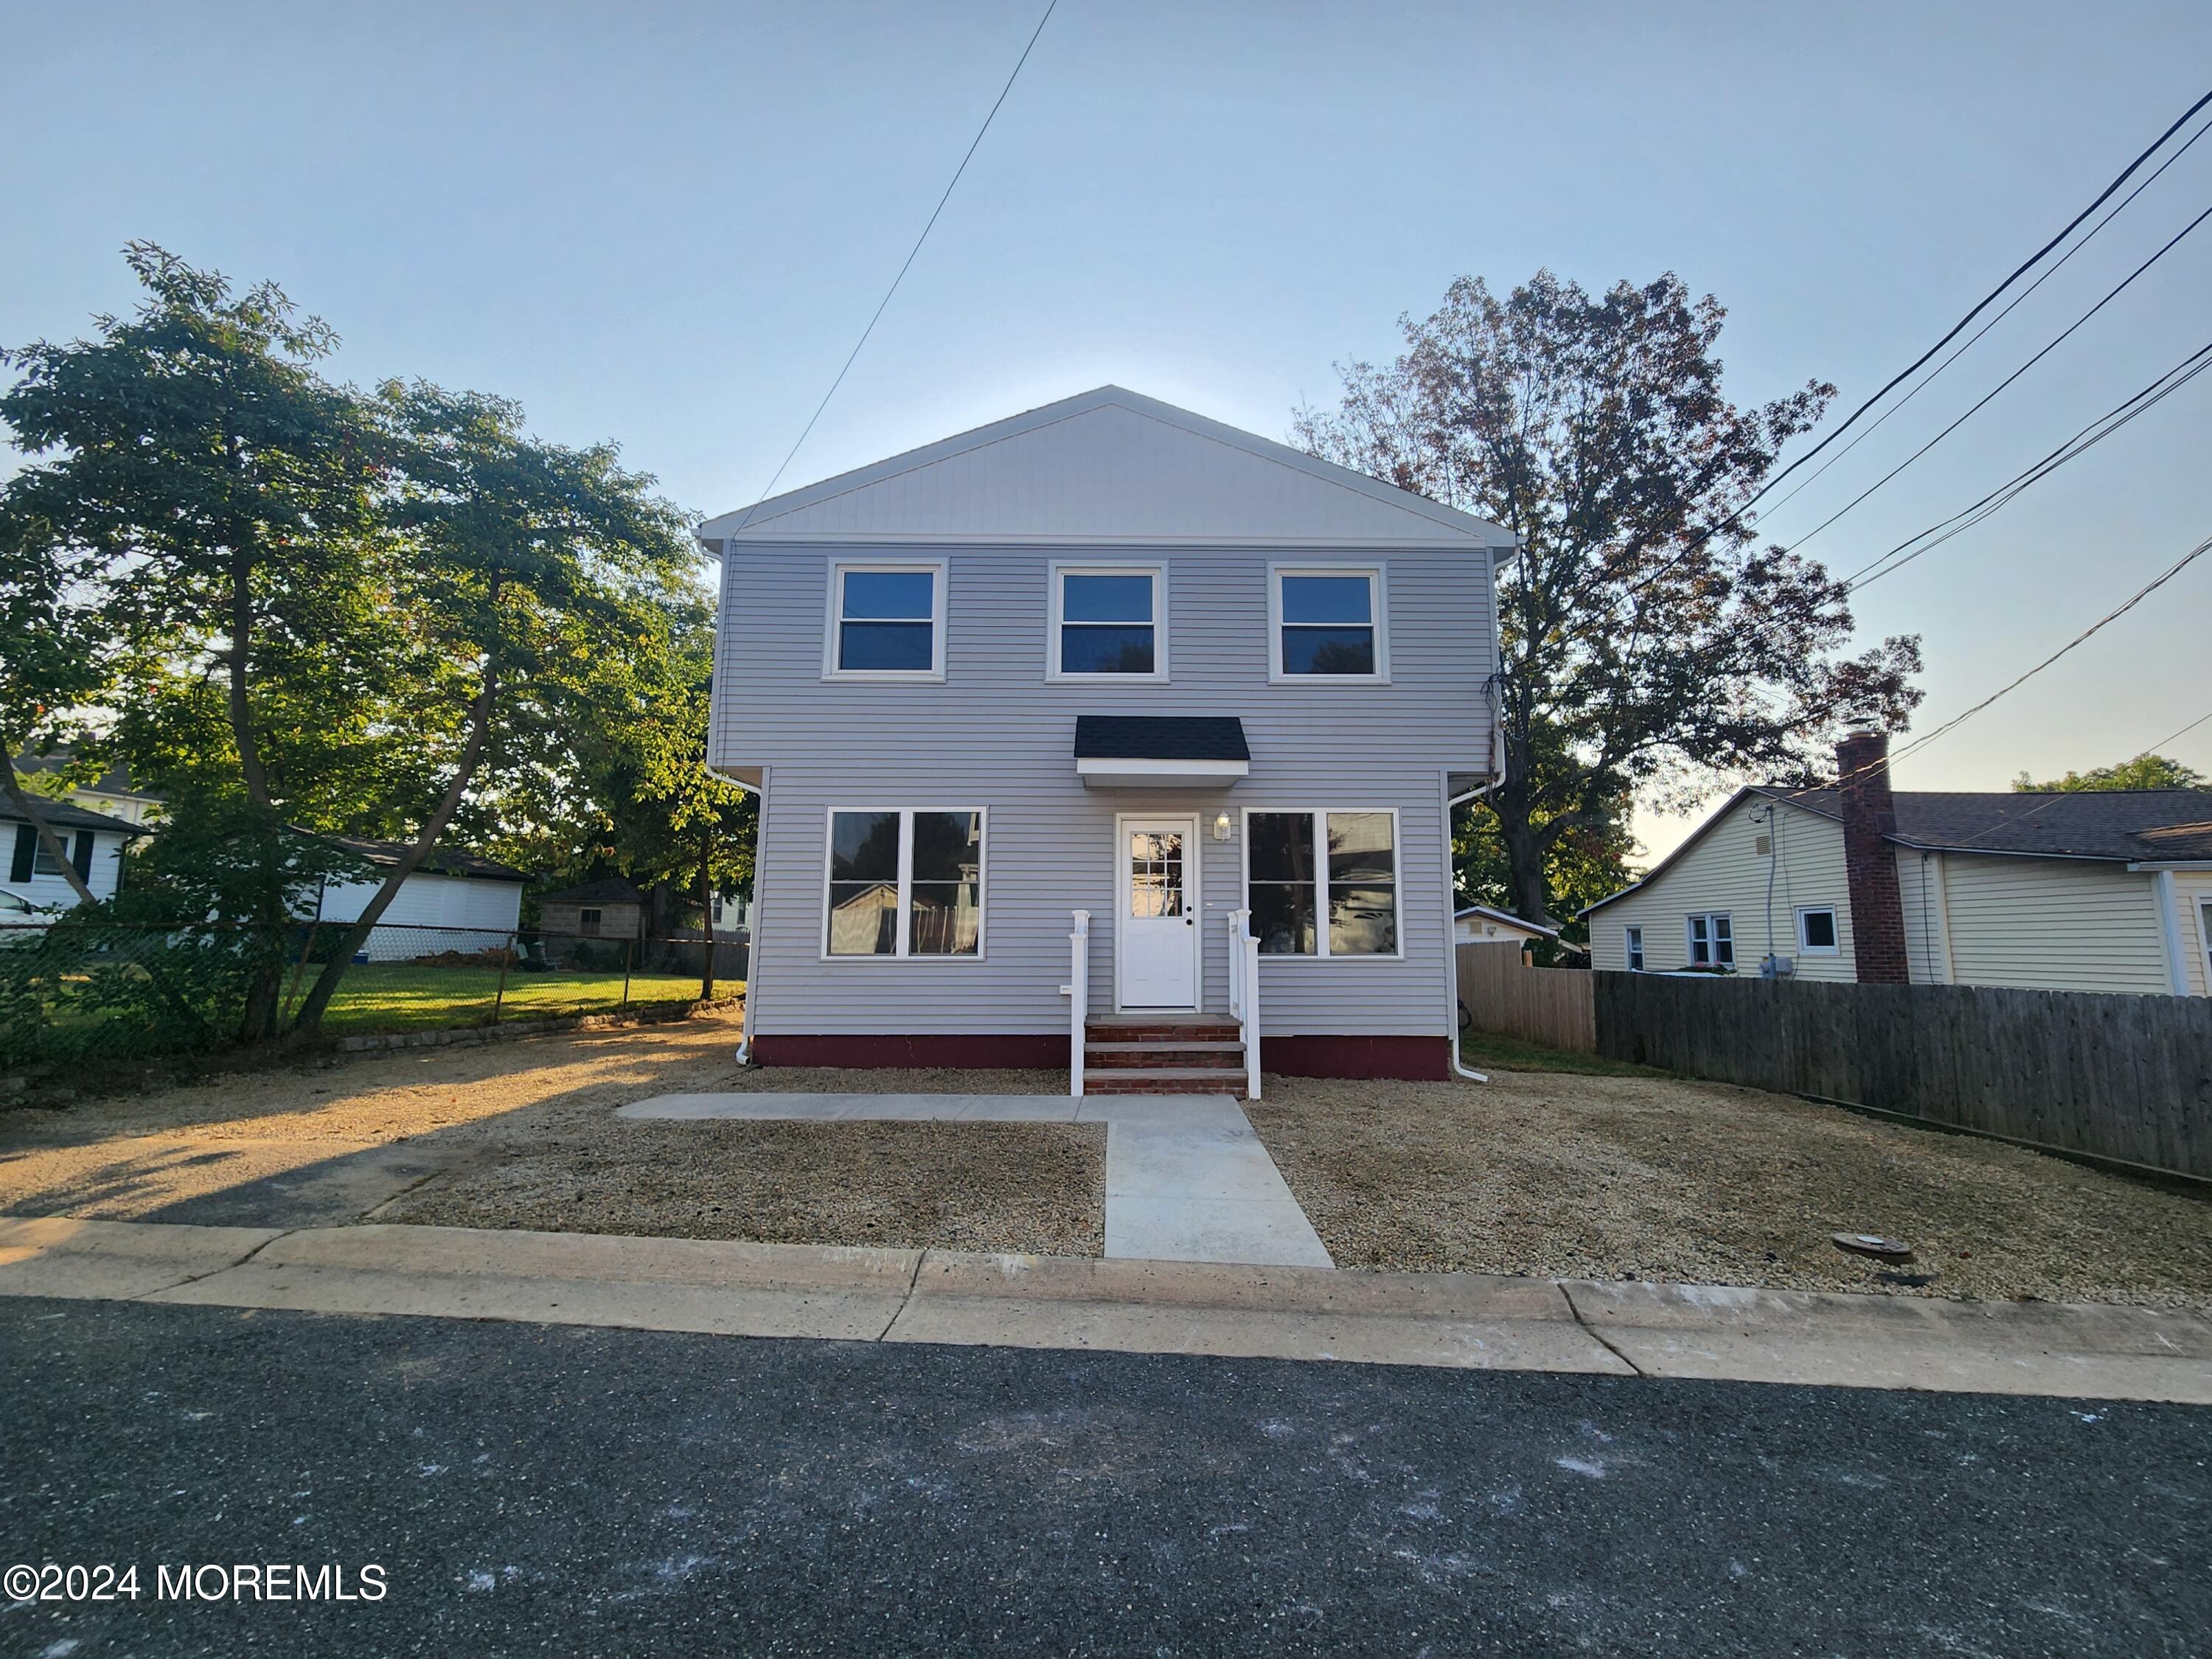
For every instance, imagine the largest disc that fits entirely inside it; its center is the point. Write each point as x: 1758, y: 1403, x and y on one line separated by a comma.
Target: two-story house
x: 1107, y: 736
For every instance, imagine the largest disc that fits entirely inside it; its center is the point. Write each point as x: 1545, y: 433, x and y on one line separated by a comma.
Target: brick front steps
x: 1161, y: 1055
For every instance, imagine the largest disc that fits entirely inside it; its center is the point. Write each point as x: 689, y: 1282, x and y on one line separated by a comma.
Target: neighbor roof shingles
x: 2083, y: 824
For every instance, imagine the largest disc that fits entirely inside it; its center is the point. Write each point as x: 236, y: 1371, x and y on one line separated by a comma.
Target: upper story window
x: 887, y: 622
x: 1108, y: 620
x: 1326, y: 624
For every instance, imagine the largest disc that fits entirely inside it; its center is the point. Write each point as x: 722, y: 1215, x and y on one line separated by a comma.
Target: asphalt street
x: 535, y: 1489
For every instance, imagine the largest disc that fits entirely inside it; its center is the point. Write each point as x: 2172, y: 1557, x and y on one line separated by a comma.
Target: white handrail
x: 1245, y: 994
x: 1078, y: 993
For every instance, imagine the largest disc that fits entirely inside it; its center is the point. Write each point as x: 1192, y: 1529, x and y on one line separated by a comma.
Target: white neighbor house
x: 1478, y: 924
x: 1107, y: 736
x: 2088, y: 891
x: 454, y: 901
x: 95, y: 841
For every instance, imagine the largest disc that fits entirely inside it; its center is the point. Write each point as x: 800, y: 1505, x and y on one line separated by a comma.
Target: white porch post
x: 1078, y: 993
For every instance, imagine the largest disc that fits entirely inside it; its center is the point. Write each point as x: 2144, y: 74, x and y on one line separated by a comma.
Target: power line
x: 911, y: 253
x: 1990, y: 396
x: 2058, y: 265
x: 2111, y: 615
x: 2080, y: 444
x: 1988, y: 300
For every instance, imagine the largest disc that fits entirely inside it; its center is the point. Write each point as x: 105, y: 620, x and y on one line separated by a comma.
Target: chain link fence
x: 73, y: 991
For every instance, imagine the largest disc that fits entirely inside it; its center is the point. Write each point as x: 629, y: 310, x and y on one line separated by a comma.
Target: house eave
x: 1121, y: 772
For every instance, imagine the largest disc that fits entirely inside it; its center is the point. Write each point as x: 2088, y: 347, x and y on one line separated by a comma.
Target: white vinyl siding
x: 992, y: 736
x: 52, y: 890
x: 1724, y: 872
x: 2053, y: 924
x: 2194, y: 892
x: 1927, y: 937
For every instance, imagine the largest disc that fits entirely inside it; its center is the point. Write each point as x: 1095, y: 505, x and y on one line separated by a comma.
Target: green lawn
x: 405, y: 996
x: 1487, y: 1051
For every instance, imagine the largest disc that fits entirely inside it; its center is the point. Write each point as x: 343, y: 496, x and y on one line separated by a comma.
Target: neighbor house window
x: 44, y: 863
x: 588, y: 922
x: 1108, y: 620
x: 1635, y: 941
x: 1713, y: 941
x: 887, y: 622
x: 1327, y: 624
x: 1816, y: 931
x: 905, y: 883
x: 1323, y: 884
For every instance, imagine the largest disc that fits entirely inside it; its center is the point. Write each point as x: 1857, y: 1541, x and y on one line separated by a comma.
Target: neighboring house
x: 453, y: 900
x: 1107, y: 669
x: 1480, y: 925
x: 95, y: 843
x: 113, y: 793
x: 599, y: 910
x: 2093, y: 891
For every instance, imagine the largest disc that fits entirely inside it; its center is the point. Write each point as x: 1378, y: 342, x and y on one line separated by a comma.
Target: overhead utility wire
x: 902, y: 269
x: 2005, y: 494
x: 1988, y: 300
x: 2002, y: 384
x: 1968, y: 344
x: 2009, y: 308
x: 1701, y: 537
x: 2111, y: 615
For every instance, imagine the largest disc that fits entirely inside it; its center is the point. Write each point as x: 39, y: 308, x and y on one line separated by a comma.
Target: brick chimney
x: 1869, y: 862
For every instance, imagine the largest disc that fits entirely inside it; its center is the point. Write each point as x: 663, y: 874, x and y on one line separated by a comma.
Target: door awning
x: 1160, y: 751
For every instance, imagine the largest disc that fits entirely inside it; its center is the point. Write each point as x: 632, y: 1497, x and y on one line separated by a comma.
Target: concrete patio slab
x: 1187, y: 1178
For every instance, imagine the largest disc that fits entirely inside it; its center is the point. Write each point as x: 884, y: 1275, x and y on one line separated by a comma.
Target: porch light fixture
x: 1221, y: 827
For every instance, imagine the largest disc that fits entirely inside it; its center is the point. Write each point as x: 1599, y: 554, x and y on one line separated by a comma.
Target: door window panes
x: 1155, y: 874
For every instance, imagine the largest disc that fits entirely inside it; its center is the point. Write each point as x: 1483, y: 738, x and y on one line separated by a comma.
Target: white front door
x: 1156, y: 960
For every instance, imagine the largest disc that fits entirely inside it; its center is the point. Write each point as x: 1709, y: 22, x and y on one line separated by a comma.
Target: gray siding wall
x: 997, y: 735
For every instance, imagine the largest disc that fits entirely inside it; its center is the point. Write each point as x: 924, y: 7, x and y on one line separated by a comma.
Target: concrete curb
x: 1471, y: 1321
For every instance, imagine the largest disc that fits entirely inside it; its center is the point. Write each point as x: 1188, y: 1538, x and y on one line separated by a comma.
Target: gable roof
x: 439, y: 861
x: 2121, y: 825
x: 609, y: 890
x: 1546, y: 930
x: 66, y: 815
x: 2084, y: 824
x: 1107, y: 465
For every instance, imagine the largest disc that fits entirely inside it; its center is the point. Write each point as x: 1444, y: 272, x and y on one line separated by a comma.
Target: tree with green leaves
x: 2143, y: 772
x: 1641, y: 622
x: 303, y: 610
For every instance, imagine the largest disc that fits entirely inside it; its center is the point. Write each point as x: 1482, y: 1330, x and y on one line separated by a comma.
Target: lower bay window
x: 905, y: 883
x: 1323, y: 884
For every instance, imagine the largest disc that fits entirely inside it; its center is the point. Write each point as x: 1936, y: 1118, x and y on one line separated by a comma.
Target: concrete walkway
x: 1471, y: 1321
x: 1187, y: 1178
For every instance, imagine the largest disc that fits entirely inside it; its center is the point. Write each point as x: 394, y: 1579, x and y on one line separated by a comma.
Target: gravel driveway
x: 1601, y: 1177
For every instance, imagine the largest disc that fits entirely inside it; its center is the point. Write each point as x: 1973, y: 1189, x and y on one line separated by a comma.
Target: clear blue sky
x: 666, y: 224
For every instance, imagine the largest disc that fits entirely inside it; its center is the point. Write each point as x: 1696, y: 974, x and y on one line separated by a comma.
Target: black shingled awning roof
x: 1160, y: 738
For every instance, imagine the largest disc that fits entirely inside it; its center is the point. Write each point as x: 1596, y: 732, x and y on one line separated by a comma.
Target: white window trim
x: 1379, y: 599
x: 1835, y: 927
x: 906, y: 883
x: 1158, y: 572
x: 1712, y: 938
x: 2204, y: 939
x: 835, y: 604
x: 1631, y: 947
x: 1321, y: 880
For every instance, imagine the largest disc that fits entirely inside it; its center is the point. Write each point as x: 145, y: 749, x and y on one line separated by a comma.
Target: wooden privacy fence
x: 1550, y: 1006
x: 2120, y: 1077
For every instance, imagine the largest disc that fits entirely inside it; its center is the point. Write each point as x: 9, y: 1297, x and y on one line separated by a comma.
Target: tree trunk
x: 310, y: 1017
x: 707, y: 912
x: 1524, y: 860
x: 19, y: 799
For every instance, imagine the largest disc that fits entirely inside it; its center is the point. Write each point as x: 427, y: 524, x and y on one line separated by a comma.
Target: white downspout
x: 2169, y: 922
x: 1451, y: 917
